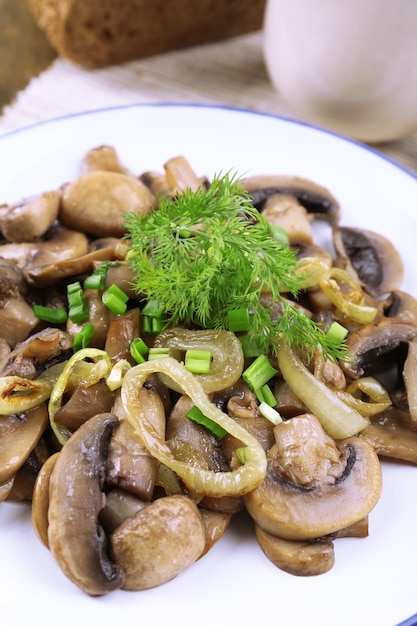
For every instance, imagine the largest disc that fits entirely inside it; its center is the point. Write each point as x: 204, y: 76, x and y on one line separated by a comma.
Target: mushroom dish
x: 175, y: 351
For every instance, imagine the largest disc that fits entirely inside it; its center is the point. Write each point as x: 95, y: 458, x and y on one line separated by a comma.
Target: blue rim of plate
x: 233, y: 109
x: 411, y: 621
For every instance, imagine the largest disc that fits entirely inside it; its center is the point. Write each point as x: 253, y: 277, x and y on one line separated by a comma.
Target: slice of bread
x: 98, y: 33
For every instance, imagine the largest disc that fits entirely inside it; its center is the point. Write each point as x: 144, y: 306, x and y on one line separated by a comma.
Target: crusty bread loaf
x: 97, y: 33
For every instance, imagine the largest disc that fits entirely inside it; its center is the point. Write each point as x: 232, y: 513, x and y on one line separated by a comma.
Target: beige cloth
x: 230, y: 73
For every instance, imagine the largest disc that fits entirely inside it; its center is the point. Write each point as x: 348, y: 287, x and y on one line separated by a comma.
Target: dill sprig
x: 209, y: 251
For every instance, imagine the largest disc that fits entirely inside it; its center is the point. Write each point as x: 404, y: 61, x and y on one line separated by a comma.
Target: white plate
x: 374, y: 579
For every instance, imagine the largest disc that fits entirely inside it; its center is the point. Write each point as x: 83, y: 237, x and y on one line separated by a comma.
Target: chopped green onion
x: 243, y: 454
x: 157, y: 353
x: 73, y: 288
x: 196, y: 415
x: 264, y: 394
x: 198, y: 361
x: 157, y: 325
x: 259, y: 372
x: 251, y: 346
x: 115, y: 299
x: 138, y: 350
x: 50, y: 314
x: 336, y: 332
x: 153, y: 308
x: 83, y: 338
x: 78, y: 307
x: 238, y: 320
x: 279, y: 233
x: 270, y: 413
x: 96, y: 280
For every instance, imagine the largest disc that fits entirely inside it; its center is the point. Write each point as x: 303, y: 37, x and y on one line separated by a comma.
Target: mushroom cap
x: 371, y: 257
x: 75, y: 536
x: 298, y: 512
x: 96, y: 202
x: 159, y: 542
x: 318, y: 200
x: 300, y: 558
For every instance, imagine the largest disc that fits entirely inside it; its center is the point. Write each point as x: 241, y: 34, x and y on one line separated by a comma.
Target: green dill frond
x: 208, y: 251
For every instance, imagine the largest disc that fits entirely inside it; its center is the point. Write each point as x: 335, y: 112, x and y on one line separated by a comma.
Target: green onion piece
x: 146, y: 324
x: 157, y: 325
x: 250, y: 346
x: 336, y: 332
x: 264, y: 394
x: 196, y: 415
x: 49, y: 314
x: 157, y: 353
x: 270, y: 413
x: 79, y: 313
x: 279, y: 233
x: 83, y: 338
x: 259, y: 372
x: 243, y: 454
x: 153, y: 308
x: 73, y: 288
x: 238, y: 320
x: 96, y: 280
x: 78, y: 307
x: 198, y: 361
x: 115, y: 299
x: 138, y: 350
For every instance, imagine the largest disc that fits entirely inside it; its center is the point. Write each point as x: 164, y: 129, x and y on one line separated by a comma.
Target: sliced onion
x: 199, y: 480
x: 226, y: 351
x: 371, y: 387
x: 92, y: 372
x: 350, y: 303
x: 338, y: 419
x: 18, y: 395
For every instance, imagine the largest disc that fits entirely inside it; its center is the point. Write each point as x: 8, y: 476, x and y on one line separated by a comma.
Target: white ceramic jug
x: 348, y: 65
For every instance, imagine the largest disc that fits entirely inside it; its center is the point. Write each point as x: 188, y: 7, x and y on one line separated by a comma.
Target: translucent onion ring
x: 349, y: 303
x: 370, y: 386
x: 338, y: 419
x: 201, y: 481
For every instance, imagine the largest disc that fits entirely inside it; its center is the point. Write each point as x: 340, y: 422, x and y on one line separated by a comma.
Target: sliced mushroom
x: 96, y: 203
x: 59, y: 243
x: 17, y: 319
x: 285, y: 211
x: 318, y: 201
x: 159, y: 542
x: 122, y: 331
x: 46, y: 275
x: 410, y: 380
x: 216, y: 523
x: 84, y: 403
x: 392, y: 436
x: 98, y: 314
x: 120, y: 505
x: 19, y: 436
x: 371, y: 257
x: 301, y: 558
x: 40, y: 499
x: 402, y: 306
x: 30, y: 355
x: 181, y: 176
x: 75, y: 536
x: 312, y: 488
x: 102, y: 158
x: 129, y: 464
x: 373, y: 341
x: 30, y: 219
